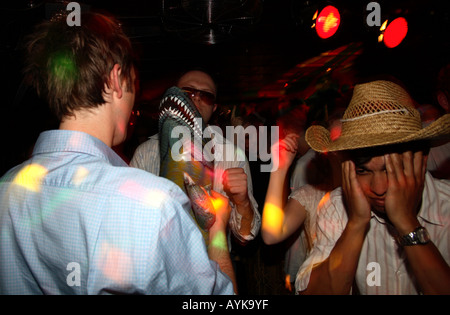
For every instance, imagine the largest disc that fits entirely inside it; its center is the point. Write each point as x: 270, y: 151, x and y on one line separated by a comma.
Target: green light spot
x: 64, y: 67
x: 219, y: 241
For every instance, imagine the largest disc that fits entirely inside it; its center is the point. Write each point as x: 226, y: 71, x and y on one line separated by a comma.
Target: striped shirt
x: 309, y: 197
x: 382, y: 267
x: 76, y: 219
x: 147, y: 157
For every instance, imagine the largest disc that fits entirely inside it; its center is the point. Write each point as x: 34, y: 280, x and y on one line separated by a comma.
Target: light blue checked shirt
x: 75, y: 219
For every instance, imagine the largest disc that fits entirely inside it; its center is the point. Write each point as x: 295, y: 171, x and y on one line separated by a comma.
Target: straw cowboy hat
x: 379, y: 113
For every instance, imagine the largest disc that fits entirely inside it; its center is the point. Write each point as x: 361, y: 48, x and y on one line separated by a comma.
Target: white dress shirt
x: 382, y: 267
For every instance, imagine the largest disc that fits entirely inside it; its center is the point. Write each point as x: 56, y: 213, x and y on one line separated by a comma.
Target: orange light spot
x: 324, y: 200
x: 287, y: 283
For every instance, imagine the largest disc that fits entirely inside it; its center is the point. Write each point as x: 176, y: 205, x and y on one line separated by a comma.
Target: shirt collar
x: 75, y: 141
x: 430, y: 210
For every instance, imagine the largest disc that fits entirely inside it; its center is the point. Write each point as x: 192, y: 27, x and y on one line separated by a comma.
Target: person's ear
x: 116, y: 84
x: 215, y: 107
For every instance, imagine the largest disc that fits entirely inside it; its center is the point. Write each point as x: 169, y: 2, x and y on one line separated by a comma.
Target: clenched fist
x: 234, y: 182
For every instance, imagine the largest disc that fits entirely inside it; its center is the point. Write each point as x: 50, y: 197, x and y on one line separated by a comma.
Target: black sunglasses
x: 206, y: 97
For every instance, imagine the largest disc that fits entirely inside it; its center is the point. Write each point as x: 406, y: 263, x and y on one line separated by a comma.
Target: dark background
x: 263, y: 54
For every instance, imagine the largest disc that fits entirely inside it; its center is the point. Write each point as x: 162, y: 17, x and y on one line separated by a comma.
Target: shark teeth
x: 175, y: 107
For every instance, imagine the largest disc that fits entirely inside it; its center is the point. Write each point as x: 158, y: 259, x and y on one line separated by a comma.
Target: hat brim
x: 319, y: 139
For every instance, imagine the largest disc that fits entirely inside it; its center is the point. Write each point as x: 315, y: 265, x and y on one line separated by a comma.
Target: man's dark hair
x: 364, y: 155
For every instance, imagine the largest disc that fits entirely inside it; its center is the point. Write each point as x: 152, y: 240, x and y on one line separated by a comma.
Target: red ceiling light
x: 394, y: 33
x: 327, y: 22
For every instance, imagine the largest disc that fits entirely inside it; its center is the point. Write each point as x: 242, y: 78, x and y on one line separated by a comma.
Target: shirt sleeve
x: 239, y: 160
x: 186, y: 266
x: 146, y: 156
x: 331, y: 220
x: 236, y: 217
x: 310, y: 198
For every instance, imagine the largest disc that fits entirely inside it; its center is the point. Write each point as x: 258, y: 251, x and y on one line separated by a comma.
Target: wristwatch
x: 419, y: 236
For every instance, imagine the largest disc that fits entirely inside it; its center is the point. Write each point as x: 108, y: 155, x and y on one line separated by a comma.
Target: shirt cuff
x: 235, y: 224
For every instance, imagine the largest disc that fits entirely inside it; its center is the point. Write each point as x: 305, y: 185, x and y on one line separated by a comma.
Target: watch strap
x: 419, y: 236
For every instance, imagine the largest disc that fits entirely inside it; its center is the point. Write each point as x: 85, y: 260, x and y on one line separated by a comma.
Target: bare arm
x: 235, y: 184
x: 429, y: 268
x: 280, y: 220
x: 218, y: 244
x: 335, y: 275
x: 406, y: 176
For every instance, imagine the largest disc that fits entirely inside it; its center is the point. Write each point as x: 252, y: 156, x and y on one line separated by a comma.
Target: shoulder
x: 442, y: 185
x: 146, y: 155
x: 136, y: 180
x: 439, y: 187
x: 308, y: 196
x: 332, y: 207
x: 329, y: 204
x: 437, y: 192
x: 149, y: 145
x: 140, y: 200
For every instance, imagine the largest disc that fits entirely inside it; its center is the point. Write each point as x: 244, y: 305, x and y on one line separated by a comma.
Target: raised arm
x: 281, y: 219
x: 236, y: 185
x: 406, y: 176
x: 218, y: 244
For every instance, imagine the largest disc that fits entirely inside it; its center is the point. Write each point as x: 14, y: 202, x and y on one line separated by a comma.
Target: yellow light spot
x: 273, y: 218
x: 217, y: 203
x: 330, y: 22
x: 30, y: 177
x: 80, y: 175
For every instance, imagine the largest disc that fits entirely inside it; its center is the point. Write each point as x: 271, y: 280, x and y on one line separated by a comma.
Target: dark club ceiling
x: 261, y: 52
x: 249, y: 44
